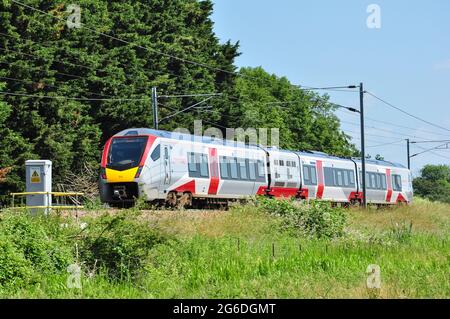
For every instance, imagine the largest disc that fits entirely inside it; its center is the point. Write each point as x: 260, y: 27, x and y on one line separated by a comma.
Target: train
x: 182, y: 170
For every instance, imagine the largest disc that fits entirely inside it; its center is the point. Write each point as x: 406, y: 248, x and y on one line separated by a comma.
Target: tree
x: 305, y: 119
x: 42, y: 56
x: 90, y: 86
x: 434, y: 183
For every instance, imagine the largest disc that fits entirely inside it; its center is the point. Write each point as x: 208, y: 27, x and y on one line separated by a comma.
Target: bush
x: 315, y: 218
x: 119, y: 244
x: 31, y: 247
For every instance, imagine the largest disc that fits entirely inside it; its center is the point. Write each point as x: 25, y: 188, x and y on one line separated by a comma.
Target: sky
x: 321, y: 43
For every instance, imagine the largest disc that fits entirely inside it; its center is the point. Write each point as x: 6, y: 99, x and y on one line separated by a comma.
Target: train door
x: 166, y: 165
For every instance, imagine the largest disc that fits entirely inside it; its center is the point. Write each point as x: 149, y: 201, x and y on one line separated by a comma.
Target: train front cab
x: 122, y: 165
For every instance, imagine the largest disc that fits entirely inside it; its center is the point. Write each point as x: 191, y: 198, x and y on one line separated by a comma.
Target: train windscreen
x: 126, y: 152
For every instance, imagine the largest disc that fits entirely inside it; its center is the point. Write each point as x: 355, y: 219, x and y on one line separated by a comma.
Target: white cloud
x: 443, y: 65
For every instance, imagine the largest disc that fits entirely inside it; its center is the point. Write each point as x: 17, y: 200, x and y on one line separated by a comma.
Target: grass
x: 243, y: 254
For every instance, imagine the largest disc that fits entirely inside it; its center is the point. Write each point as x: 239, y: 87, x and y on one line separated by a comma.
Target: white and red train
x: 185, y: 170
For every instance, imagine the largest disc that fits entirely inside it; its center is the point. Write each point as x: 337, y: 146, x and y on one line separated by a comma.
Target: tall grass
x: 246, y: 252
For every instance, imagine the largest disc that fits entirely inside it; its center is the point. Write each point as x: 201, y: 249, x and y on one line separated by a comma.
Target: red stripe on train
x: 188, y: 187
x: 389, y: 185
x: 320, y: 185
x: 214, y: 169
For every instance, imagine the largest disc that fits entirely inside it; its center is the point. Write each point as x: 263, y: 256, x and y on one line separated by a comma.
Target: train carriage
x: 185, y: 170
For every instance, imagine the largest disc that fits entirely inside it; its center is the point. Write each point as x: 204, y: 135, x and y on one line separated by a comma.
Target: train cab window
x: 252, y: 170
x: 224, y: 167
x: 309, y: 175
x: 242, y: 170
x: 156, y: 154
x: 198, y: 165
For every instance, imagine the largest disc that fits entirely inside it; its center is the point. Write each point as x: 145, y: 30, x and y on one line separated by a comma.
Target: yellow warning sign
x: 35, y: 175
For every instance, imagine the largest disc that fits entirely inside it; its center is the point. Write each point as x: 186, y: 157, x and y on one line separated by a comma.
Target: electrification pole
x: 363, y: 149
x: 407, y: 151
x: 155, y: 108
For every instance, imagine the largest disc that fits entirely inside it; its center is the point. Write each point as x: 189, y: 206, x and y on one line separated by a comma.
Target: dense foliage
x: 314, y: 218
x: 434, y: 183
x: 236, y: 254
x: 42, y: 56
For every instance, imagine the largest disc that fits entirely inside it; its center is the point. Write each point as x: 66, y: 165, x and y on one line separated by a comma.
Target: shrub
x: 312, y: 218
x: 119, y: 244
x: 31, y: 247
x: 15, y: 269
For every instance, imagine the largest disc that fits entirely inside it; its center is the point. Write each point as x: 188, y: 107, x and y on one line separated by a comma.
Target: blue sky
x: 326, y: 43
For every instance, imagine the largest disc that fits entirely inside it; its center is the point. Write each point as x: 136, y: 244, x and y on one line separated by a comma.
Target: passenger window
x: 198, y: 165
x: 352, y: 178
x: 330, y: 179
x: 224, y: 167
x: 346, y: 183
x: 281, y: 163
x: 261, y: 169
x: 313, y: 175
x: 252, y: 170
x: 234, y: 168
x: 339, y: 177
x: 383, y: 181
x: 397, y: 183
x: 156, y: 154
x: 378, y: 179
x: 204, y: 165
x: 242, y: 169
x: 373, y: 183
x: 306, y: 173
x: 192, y: 166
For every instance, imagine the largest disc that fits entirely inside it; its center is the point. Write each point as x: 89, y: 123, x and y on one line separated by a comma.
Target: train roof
x: 186, y: 137
x: 219, y: 141
x: 379, y: 162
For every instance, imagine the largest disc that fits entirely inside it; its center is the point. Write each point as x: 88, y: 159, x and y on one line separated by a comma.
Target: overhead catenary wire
x: 386, y: 144
x: 71, y: 98
x: 429, y: 151
x: 407, y: 113
x: 400, y: 126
